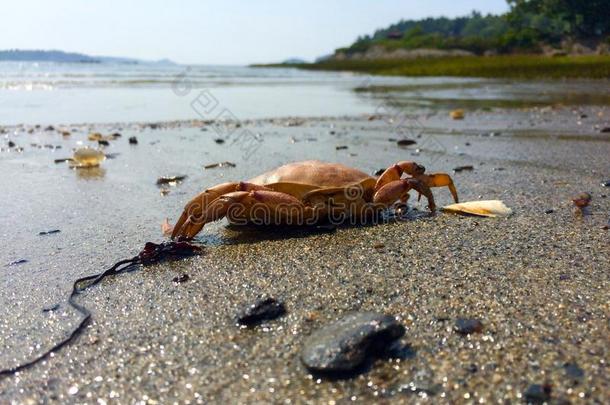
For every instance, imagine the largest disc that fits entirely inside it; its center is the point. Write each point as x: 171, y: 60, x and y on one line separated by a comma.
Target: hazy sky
x: 211, y: 32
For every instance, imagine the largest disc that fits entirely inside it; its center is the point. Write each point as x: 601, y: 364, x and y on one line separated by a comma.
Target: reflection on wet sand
x: 90, y: 173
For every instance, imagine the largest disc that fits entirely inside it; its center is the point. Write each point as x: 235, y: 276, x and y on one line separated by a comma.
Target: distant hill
x: 66, y: 57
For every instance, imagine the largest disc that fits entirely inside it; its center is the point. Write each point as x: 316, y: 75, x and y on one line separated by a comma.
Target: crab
x: 309, y: 192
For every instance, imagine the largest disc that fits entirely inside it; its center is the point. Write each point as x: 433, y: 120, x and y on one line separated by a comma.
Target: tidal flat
x: 538, y: 281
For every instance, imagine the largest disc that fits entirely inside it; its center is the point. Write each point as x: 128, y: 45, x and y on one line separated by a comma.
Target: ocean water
x: 67, y: 93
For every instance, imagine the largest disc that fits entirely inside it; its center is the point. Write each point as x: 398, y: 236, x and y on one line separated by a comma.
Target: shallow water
x: 48, y: 93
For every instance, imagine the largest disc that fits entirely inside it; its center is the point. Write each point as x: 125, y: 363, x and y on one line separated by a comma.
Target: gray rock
x: 344, y: 345
x: 264, y: 309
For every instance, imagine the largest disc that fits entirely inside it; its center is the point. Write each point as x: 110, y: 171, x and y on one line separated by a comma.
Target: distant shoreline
x: 504, y: 66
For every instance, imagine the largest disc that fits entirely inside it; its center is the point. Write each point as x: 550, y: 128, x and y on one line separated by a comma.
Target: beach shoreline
x: 537, y: 281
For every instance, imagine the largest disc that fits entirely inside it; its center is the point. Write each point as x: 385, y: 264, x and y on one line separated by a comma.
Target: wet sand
x: 538, y: 282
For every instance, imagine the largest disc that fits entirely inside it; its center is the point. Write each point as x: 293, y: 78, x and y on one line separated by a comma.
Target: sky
x: 231, y: 32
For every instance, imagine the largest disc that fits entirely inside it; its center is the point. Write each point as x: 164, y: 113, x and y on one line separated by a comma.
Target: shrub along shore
x: 501, y: 66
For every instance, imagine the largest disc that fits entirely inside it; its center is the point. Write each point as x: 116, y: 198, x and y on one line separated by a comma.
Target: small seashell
x: 485, y: 208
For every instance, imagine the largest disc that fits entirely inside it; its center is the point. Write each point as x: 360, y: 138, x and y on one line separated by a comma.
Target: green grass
x: 509, y: 66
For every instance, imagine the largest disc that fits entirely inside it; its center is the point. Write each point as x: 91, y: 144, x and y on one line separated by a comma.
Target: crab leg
x: 195, y: 209
x: 398, y: 190
x: 258, y: 205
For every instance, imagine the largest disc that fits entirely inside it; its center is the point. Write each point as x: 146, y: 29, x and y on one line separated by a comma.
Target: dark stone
x: 341, y: 147
x: 465, y: 326
x: 50, y: 128
x: 344, y: 345
x: 51, y: 232
x: 573, y: 371
x: 219, y: 141
x: 50, y: 308
x: 264, y: 309
x: 181, y: 278
x: 103, y: 142
x: 405, y: 142
x: 473, y: 368
x: 116, y: 135
x: 549, y: 211
x: 133, y: 140
x: 604, y: 184
x: 11, y: 144
x: 537, y: 394
x: 563, y: 277
x: 606, y: 130
x: 462, y: 168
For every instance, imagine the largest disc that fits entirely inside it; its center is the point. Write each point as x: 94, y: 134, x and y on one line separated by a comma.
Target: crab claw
x: 395, y: 171
x: 398, y: 190
x: 439, y: 180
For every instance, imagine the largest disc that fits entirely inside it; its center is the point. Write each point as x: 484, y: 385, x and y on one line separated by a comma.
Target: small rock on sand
x: 264, y: 309
x: 467, y: 326
x: 344, y: 345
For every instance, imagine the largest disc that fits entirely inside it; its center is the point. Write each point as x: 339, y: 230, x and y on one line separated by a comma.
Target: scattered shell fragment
x: 582, y: 200
x: 86, y: 157
x: 485, y: 208
x: 221, y: 164
x: 172, y: 181
x: 457, y: 114
x: 95, y: 136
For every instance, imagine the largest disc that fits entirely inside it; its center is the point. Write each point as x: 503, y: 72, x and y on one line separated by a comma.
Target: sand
x: 539, y: 282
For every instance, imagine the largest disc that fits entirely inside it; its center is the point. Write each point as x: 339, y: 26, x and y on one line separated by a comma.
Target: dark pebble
x: 405, y: 142
x: 573, y: 371
x: 462, y: 168
x: 219, y: 141
x: 133, y: 140
x: 116, y: 135
x: 11, y: 144
x: 103, y: 142
x: 341, y: 147
x: 181, y: 278
x: 153, y: 126
x: 51, y: 232
x: 50, y: 128
x: 605, y: 184
x: 537, y: 394
x: 549, y: 211
x: 344, y: 345
x: 563, y: 277
x: 467, y: 326
x: 264, y: 309
x: 606, y: 130
x: 51, y: 308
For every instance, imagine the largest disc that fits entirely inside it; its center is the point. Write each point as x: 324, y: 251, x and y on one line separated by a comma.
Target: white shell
x: 485, y: 208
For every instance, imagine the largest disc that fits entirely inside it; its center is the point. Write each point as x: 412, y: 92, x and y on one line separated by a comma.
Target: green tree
x: 584, y: 19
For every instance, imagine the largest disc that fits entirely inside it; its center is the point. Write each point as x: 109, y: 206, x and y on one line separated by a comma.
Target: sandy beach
x: 538, y: 281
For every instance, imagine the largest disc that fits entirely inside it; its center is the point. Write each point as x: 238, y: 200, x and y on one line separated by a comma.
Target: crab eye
x: 420, y: 169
